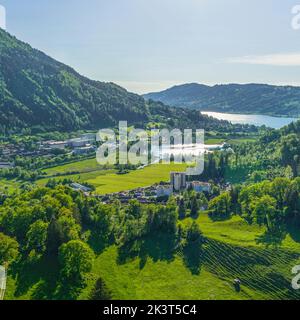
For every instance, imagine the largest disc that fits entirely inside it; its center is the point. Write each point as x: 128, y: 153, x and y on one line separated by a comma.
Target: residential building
x: 84, y: 150
x: 79, y: 142
x: 178, y: 180
x: 6, y: 165
x: 79, y: 187
x: 54, y: 144
x: 199, y: 186
x: 164, y: 191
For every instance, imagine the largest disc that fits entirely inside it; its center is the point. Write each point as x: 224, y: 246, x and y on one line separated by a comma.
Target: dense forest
x: 233, y: 98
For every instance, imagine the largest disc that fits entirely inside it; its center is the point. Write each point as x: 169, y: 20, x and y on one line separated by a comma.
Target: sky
x: 147, y: 46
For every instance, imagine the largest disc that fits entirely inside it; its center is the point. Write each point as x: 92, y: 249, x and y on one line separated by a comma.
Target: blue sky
x: 148, y: 45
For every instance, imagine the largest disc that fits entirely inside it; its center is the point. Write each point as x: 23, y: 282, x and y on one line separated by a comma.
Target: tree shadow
x: 272, y: 238
x: 98, y: 242
x: 193, y: 257
x: 294, y: 231
x: 219, y: 218
x: 28, y: 273
x: 68, y: 291
x: 158, y: 247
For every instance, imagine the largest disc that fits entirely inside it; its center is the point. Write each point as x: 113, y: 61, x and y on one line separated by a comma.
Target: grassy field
x: 232, y: 141
x: 212, y: 141
x: 108, y: 181
x: 79, y: 166
x: 232, y: 251
x: 139, y: 178
x: 240, y: 140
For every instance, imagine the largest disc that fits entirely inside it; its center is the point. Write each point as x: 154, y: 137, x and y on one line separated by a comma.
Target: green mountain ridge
x: 40, y: 93
x: 233, y: 98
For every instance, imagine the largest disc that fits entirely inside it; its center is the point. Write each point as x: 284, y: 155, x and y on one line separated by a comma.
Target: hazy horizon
x: 148, y: 47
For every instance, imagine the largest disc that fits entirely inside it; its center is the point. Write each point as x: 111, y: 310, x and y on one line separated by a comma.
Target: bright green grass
x: 108, y: 181
x: 158, y: 280
x: 111, y: 183
x: 214, y: 141
x: 79, y: 177
x: 230, y: 252
x: 79, y: 166
x: 9, y: 186
x: 232, y: 141
x: 238, y: 232
x: 240, y: 140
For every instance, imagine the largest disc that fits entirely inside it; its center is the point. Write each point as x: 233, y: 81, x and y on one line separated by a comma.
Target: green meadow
x: 139, y: 178
x: 79, y: 166
x: 232, y: 250
x: 108, y: 181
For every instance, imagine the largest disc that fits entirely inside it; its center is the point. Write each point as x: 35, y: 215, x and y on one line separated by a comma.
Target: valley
x: 72, y: 229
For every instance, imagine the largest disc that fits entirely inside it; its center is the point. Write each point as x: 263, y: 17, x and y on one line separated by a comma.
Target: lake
x: 255, y: 119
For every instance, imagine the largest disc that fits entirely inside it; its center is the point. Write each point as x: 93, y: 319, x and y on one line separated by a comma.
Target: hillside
x: 232, y: 251
x: 234, y: 98
x: 39, y: 93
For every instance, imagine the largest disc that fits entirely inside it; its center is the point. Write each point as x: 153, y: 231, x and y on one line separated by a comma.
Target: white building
x: 178, y: 180
x: 91, y: 137
x: 6, y: 165
x: 55, y: 144
x: 82, y: 141
x: 199, y: 186
x: 79, y: 187
x: 84, y: 150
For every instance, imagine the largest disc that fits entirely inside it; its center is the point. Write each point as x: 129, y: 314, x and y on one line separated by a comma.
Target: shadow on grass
x: 294, y: 231
x: 193, y: 257
x: 42, y: 279
x: 219, y: 218
x: 158, y: 247
x: 98, y: 242
x: 272, y: 238
x: 44, y: 272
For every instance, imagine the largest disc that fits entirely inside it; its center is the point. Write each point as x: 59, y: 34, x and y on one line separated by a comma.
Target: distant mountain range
x: 233, y: 98
x: 38, y: 94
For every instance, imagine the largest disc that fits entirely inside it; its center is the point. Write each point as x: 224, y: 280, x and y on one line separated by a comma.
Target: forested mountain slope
x: 39, y: 93
x: 235, y: 98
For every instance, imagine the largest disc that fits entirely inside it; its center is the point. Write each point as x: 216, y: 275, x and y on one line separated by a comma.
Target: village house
x: 199, y: 186
x: 164, y: 191
x: 79, y: 187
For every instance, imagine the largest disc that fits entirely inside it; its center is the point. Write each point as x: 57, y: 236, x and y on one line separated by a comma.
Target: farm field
x: 79, y: 166
x: 108, y: 181
x: 212, y: 141
x: 139, y: 178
